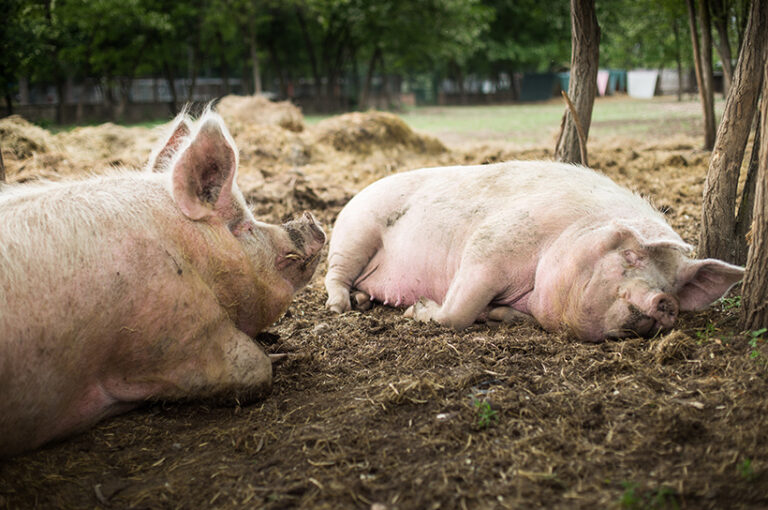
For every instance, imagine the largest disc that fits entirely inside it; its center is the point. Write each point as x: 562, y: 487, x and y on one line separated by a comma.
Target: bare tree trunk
x: 754, y: 309
x: 582, y: 87
x: 364, y: 95
x: 718, y: 221
x: 678, y: 60
x: 310, y: 52
x: 256, y: 67
x: 703, y: 67
x: 747, y: 203
x: 720, y: 17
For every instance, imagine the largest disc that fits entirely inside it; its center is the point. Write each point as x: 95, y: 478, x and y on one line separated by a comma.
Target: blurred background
x: 83, y: 61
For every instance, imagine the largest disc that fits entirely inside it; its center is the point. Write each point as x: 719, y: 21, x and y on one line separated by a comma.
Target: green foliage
x: 661, y: 498
x: 704, y: 334
x: 755, y: 339
x: 731, y: 303
x: 746, y: 470
x: 486, y: 415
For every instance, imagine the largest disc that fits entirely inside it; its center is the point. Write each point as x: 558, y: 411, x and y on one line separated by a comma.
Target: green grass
x: 536, y: 123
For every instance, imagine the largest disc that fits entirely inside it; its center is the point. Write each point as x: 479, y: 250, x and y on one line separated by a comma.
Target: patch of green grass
x: 486, y: 415
x: 706, y: 333
x: 661, y: 498
x: 731, y: 303
x: 746, y: 470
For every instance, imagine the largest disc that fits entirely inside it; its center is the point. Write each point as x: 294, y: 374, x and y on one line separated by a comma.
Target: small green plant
x: 486, y: 415
x: 746, y: 470
x: 661, y: 498
x: 731, y: 303
x: 706, y: 333
x: 755, y: 339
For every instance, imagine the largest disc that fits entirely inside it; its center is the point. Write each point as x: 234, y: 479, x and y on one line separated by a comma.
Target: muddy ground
x: 373, y: 410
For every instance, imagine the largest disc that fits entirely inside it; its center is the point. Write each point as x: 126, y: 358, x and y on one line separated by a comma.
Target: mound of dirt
x: 22, y: 139
x: 365, y: 133
x: 242, y: 111
x: 110, y: 144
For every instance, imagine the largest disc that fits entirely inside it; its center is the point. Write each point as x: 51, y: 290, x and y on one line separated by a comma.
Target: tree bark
x: 582, y: 86
x: 720, y: 17
x: 678, y: 60
x: 747, y: 203
x: 754, y: 307
x: 703, y: 66
x: 2, y: 167
x: 718, y: 221
x: 8, y: 103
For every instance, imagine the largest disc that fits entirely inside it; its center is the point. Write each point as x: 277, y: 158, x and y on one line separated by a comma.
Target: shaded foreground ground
x: 372, y: 408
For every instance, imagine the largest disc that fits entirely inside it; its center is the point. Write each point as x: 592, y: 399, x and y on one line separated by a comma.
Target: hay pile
x: 243, y: 111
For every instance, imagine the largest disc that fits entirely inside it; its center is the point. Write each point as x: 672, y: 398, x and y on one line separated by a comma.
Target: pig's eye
x: 293, y: 256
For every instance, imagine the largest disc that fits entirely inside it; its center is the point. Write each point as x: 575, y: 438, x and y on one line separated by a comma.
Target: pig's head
x: 203, y: 185
x: 615, y: 282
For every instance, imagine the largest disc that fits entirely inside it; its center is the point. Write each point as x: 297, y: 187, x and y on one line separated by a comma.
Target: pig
x: 136, y: 286
x: 523, y: 240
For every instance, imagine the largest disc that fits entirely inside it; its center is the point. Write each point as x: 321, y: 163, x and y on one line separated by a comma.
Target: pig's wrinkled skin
x: 556, y: 242
x: 139, y: 286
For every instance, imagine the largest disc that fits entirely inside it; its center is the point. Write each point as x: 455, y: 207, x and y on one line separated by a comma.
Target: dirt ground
x: 372, y: 410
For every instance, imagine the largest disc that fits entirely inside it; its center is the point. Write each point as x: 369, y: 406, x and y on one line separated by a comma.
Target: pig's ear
x: 701, y: 282
x: 204, y: 174
x: 159, y: 160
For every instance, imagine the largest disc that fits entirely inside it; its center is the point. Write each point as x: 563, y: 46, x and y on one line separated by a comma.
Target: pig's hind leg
x: 468, y: 297
x: 351, y: 249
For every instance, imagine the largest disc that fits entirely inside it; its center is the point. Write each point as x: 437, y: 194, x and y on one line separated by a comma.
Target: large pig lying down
x: 139, y: 285
x: 559, y: 243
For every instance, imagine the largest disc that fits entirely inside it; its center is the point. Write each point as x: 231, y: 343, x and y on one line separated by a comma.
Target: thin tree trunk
x: 747, y: 203
x: 278, y: 66
x: 719, y: 14
x: 364, y: 95
x: 8, y: 103
x: 255, y: 66
x: 171, y: 88
x: 310, y: 51
x: 702, y: 81
x: 582, y: 86
x: 718, y: 221
x: 706, y: 70
x: 678, y: 59
x: 754, y: 309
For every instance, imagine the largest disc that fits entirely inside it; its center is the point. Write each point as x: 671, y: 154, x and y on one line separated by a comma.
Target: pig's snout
x: 317, y: 233
x: 664, y: 310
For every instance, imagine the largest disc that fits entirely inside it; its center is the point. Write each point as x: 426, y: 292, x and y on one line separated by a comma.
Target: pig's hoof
x: 408, y: 312
x: 506, y: 315
x: 337, y: 305
x: 361, y: 300
x: 276, y: 359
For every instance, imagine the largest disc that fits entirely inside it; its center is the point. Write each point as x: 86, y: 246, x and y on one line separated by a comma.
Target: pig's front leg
x: 229, y: 365
x: 468, y: 296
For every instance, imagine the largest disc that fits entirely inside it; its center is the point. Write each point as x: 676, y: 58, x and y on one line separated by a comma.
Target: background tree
x: 702, y: 59
x: 754, y: 308
x: 719, y: 227
x: 582, y: 87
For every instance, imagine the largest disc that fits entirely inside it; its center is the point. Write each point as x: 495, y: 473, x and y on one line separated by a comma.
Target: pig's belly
x: 401, y: 277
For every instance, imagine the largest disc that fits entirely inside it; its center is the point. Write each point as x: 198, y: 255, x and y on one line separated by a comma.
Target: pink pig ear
x: 158, y: 161
x: 204, y: 174
x: 701, y: 282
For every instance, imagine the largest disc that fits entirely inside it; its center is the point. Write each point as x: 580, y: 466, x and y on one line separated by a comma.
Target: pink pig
x: 559, y: 243
x: 139, y: 285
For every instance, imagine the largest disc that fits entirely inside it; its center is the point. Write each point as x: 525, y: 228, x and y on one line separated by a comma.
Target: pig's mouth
x: 638, y: 324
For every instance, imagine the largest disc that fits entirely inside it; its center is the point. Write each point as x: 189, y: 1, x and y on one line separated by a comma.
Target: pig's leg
x: 352, y: 248
x: 472, y: 289
x: 507, y: 315
x: 223, y: 364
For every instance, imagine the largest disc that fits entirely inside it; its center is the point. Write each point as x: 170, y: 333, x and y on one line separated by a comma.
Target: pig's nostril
x: 667, y: 307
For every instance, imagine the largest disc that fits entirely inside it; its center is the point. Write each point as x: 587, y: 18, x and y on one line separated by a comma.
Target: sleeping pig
x: 132, y: 286
x: 556, y: 242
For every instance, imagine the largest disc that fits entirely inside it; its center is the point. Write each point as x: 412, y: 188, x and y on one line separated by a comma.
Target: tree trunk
x: 2, y: 167
x: 310, y: 51
x: 8, y: 103
x: 255, y: 66
x: 278, y: 67
x: 582, y: 86
x: 678, y: 60
x: 719, y: 14
x: 718, y: 221
x: 364, y: 95
x: 703, y: 66
x: 754, y: 308
x: 171, y: 88
x: 747, y: 203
